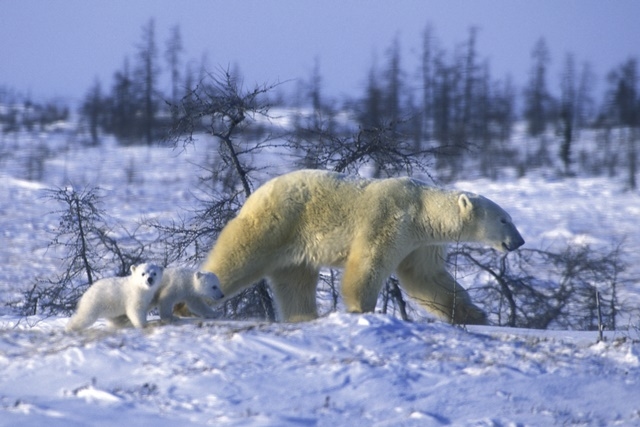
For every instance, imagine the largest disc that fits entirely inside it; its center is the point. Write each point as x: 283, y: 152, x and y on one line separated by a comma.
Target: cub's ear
x: 199, y: 274
x: 465, y: 204
x: 132, y: 269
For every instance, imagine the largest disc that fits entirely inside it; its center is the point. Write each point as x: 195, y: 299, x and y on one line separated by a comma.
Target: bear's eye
x: 503, y: 221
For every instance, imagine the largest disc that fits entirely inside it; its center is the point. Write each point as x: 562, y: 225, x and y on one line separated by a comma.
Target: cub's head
x: 208, y: 285
x: 488, y: 223
x: 147, y: 275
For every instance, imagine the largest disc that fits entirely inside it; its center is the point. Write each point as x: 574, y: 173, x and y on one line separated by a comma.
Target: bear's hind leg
x: 166, y: 310
x: 119, y: 322
x: 423, y: 276
x: 81, y: 321
x: 361, y: 285
x: 85, y: 316
x: 294, y: 289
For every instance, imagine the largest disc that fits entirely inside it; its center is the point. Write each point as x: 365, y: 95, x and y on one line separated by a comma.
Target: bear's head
x: 147, y: 275
x: 486, y: 222
x: 208, y: 285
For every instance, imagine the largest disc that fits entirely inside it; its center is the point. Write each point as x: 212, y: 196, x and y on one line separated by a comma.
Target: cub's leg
x: 166, y: 310
x: 81, y: 320
x: 137, y: 315
x: 86, y: 314
x: 197, y: 306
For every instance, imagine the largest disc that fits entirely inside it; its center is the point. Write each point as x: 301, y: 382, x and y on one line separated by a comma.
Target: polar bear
x: 187, y: 286
x: 301, y: 221
x: 118, y: 298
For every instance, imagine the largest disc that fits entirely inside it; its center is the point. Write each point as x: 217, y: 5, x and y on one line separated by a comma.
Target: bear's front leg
x: 424, y: 277
x: 138, y: 315
x: 294, y: 289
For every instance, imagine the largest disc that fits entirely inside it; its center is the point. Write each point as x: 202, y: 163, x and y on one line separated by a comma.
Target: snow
x: 342, y: 369
x: 356, y: 370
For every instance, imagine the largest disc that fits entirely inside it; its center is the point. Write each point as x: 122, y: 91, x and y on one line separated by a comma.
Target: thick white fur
x: 118, y: 298
x: 188, y: 286
x: 299, y: 222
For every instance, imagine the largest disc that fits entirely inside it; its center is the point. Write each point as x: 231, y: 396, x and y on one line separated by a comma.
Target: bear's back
x: 175, y: 280
x: 108, y: 288
x: 325, y: 211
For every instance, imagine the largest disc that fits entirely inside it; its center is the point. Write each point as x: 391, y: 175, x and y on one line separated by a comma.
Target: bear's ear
x: 199, y: 274
x: 465, y: 204
x: 132, y: 269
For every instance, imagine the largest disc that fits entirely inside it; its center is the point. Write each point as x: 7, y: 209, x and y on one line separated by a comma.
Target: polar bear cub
x: 115, y: 298
x: 188, y: 286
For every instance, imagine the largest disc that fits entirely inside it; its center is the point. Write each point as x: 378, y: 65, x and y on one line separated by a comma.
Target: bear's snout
x: 513, y: 243
x: 150, y: 281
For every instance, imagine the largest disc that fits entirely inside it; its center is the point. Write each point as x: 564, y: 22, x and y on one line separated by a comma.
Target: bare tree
x: 371, y: 111
x: 392, y: 295
x: 624, y: 109
x: 89, y: 251
x: 172, y: 55
x: 393, y: 77
x: 426, y: 74
x: 541, y: 289
x: 538, y: 103
x: 568, y: 111
x: 220, y: 106
x: 537, y: 97
x: 471, y: 106
x: 122, y: 112
x: 93, y: 110
x: 147, y: 76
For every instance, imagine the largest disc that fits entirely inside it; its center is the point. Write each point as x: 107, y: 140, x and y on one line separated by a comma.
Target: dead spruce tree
x: 88, y: 251
x: 219, y: 106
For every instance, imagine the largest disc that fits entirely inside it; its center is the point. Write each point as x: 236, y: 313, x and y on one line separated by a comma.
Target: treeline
x: 451, y: 103
x: 19, y: 113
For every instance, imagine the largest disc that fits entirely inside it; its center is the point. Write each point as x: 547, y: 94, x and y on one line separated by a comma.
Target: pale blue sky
x: 59, y: 47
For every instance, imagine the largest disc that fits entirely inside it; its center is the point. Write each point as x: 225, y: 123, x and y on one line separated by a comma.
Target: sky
x: 59, y: 48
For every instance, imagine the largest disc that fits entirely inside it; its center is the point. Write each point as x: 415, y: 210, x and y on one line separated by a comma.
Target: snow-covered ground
x: 369, y: 370
x: 341, y: 370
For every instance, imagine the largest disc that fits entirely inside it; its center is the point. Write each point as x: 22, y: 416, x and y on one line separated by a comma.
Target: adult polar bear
x: 299, y: 222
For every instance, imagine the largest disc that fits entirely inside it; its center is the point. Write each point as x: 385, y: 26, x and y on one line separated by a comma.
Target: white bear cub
x: 188, y: 286
x: 115, y: 298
